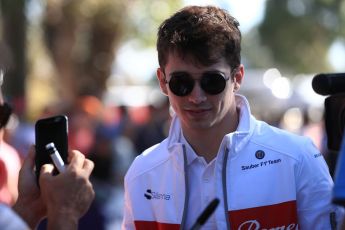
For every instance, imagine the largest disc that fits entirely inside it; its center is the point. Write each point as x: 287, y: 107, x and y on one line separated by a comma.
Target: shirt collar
x: 191, y: 154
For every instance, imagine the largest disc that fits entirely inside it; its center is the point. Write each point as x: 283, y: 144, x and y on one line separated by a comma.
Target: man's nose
x: 197, y: 95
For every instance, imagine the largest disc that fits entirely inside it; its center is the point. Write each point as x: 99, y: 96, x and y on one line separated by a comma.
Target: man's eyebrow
x: 201, y: 73
x: 213, y: 71
x: 179, y: 72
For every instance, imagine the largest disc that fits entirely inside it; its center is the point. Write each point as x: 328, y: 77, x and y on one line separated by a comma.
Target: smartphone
x: 52, y: 129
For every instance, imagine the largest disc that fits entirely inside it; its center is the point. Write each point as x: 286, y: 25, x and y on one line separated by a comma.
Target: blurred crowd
x: 111, y: 136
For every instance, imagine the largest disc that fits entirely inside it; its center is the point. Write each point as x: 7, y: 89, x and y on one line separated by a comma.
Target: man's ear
x: 238, y: 77
x: 162, y: 81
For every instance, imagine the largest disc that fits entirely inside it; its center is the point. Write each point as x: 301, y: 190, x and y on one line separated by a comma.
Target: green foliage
x: 144, y: 17
x: 298, y: 33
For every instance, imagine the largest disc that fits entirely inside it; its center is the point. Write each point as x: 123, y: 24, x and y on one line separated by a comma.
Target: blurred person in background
x: 264, y: 177
x: 10, y: 161
x: 155, y: 129
x: 112, y: 153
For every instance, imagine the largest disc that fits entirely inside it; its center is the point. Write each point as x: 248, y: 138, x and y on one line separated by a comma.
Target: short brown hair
x: 205, y: 33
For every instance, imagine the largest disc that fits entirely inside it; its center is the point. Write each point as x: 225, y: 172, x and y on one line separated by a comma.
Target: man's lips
x: 198, y: 111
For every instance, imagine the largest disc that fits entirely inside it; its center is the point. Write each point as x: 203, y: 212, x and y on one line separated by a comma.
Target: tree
x: 298, y: 33
x: 13, y: 50
x: 83, y: 36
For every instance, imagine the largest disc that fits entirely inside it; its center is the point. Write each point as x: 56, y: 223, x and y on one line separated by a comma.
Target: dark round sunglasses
x: 182, y: 83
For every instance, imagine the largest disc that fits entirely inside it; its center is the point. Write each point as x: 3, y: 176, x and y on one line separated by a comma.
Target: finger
x: 46, y: 170
x: 92, y: 191
x: 70, y: 156
x: 29, y: 161
x: 77, y: 159
x: 88, y: 166
x: 46, y: 174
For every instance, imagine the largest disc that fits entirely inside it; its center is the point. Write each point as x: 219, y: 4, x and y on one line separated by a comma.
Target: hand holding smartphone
x: 50, y: 130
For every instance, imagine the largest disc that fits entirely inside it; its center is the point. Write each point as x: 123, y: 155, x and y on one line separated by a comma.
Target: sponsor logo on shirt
x: 155, y: 195
x: 261, y: 164
x: 282, y: 216
x: 259, y: 154
x: 317, y: 155
x: 255, y: 225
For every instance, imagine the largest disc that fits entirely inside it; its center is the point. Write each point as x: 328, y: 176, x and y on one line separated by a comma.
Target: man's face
x: 199, y: 110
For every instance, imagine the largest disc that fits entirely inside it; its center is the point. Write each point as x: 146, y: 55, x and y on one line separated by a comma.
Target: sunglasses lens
x: 181, y: 84
x: 213, y: 83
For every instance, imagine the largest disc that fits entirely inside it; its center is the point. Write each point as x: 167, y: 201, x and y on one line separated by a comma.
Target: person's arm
x: 10, y: 220
x: 29, y: 205
x: 69, y: 194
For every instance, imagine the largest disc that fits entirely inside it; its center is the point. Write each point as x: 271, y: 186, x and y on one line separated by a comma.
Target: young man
x: 265, y: 178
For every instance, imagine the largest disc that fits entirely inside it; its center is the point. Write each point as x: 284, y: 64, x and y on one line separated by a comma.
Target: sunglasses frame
x: 208, y: 91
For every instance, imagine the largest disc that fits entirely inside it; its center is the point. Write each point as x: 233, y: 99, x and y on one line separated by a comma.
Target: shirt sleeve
x: 9, y: 220
x: 314, y: 192
x: 127, y: 222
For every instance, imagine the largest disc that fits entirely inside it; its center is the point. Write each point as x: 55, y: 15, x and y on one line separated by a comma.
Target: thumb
x: 46, y: 171
x: 46, y: 174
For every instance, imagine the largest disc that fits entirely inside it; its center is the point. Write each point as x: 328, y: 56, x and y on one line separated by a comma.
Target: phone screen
x: 47, y: 130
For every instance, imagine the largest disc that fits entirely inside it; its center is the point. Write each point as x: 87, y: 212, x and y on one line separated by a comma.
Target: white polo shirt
x: 201, y: 184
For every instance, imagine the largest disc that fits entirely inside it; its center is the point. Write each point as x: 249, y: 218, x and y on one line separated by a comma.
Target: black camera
x: 333, y: 84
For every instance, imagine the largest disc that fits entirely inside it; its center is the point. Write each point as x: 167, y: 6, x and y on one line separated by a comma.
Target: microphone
x: 211, y: 207
x: 331, y: 83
